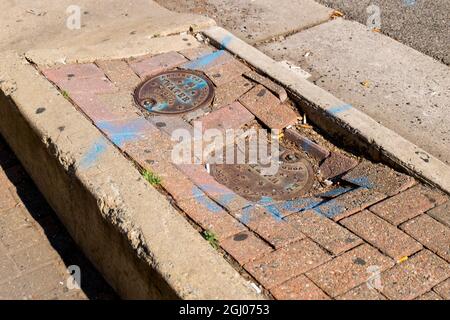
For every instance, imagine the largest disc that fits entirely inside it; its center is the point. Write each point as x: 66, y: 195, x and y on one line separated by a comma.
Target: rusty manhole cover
x: 175, y: 92
x: 294, y: 178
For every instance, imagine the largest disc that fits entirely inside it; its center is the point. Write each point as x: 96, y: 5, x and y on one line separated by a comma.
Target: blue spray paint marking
x: 274, y: 212
x: 362, y: 182
x: 202, y: 199
x: 91, y: 157
x: 335, y: 192
x: 224, y: 196
x: 329, y: 209
x: 158, y: 107
x: 205, y: 60
x: 301, y: 204
x: 409, y: 2
x: 339, y: 109
x: 120, y: 133
x: 245, y: 217
x: 195, y: 85
x: 271, y: 206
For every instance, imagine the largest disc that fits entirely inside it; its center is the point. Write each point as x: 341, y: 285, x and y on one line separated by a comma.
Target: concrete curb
x: 143, y: 247
x: 345, y: 123
x: 110, y: 50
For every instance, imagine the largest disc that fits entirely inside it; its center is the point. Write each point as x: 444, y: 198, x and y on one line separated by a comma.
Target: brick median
x: 35, y: 249
x: 373, y: 216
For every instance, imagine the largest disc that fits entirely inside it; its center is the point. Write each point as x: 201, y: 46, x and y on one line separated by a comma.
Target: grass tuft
x: 211, y: 238
x: 151, y: 177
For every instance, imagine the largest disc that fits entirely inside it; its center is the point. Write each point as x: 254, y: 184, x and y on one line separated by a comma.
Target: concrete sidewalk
x: 35, y: 249
x: 29, y: 24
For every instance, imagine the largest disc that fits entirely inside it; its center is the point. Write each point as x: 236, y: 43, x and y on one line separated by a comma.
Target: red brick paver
x: 231, y: 91
x: 267, y: 108
x: 276, y: 89
x: 209, y: 61
x: 348, y: 270
x: 379, y: 178
x: 299, y: 288
x: 232, y: 116
x: 382, y: 235
x: 35, y: 250
x: 225, y: 73
x: 211, y: 216
x: 150, y: 66
x: 349, y: 203
x: 119, y: 73
x: 430, y: 295
x: 324, y: 231
x: 431, y: 233
x: 245, y: 247
x: 219, y: 193
x: 66, y: 72
x: 408, y: 204
x: 362, y: 292
x: 336, y: 164
x: 277, y: 232
x: 443, y: 289
x: 415, y: 276
x: 288, y: 262
x: 441, y: 213
x: 311, y: 148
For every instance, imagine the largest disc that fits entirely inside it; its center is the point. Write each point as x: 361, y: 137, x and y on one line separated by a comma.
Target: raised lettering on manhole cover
x: 175, y: 92
x: 294, y: 178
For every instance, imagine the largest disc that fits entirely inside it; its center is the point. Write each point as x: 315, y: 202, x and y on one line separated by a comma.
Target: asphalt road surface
x: 421, y: 24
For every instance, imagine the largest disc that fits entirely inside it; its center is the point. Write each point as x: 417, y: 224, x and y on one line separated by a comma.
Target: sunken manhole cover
x: 175, y: 92
x: 294, y: 178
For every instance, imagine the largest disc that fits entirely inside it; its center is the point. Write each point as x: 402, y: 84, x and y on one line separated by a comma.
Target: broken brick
x: 311, y: 148
x: 336, y: 164
x: 267, y: 108
x: 269, y: 84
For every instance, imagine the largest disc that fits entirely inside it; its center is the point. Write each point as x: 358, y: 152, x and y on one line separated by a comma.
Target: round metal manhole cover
x: 294, y: 178
x: 175, y: 92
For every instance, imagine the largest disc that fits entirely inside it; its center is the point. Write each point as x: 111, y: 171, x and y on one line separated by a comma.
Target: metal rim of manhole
x: 175, y: 92
x: 294, y: 178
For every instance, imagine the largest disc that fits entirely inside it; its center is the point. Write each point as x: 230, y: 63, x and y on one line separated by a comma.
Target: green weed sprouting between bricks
x: 152, y: 178
x: 211, y: 238
x: 65, y: 94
